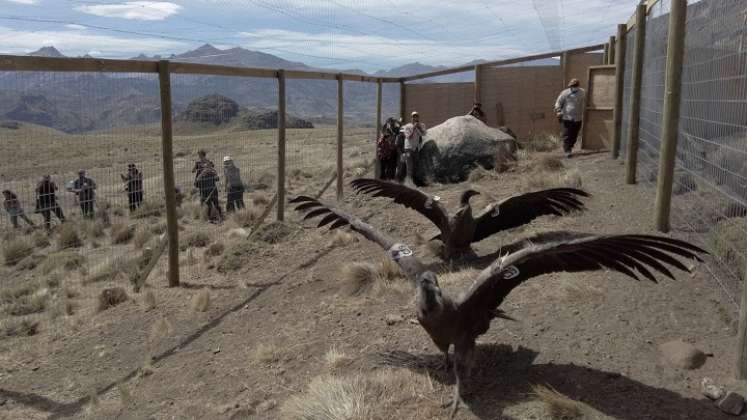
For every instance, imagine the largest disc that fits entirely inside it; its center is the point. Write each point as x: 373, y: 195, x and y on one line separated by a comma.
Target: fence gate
x: 599, y: 126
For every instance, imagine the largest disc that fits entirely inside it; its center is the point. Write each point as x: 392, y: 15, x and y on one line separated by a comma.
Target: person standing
x: 413, y: 139
x: 46, y: 201
x: 15, y: 210
x: 569, y: 108
x: 207, y: 184
x: 85, y: 188
x: 134, y: 186
x: 200, y: 163
x: 477, y: 112
x: 386, y: 149
x: 234, y: 186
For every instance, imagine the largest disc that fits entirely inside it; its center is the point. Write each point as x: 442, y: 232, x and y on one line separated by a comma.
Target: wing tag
x: 510, y: 272
x: 399, y: 251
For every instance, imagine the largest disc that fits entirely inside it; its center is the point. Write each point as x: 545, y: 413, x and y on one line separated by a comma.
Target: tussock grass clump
x: 141, y: 237
x: 545, y: 179
x: 216, y: 249
x: 28, y: 304
x: 15, y: 250
x: 195, y: 240
x: 110, y: 298
x: 12, y: 294
x: 149, y: 208
x: 236, y: 254
x: 149, y: 300
x: 31, y: 262
x: 336, y: 358
x: 68, y: 260
x: 550, y: 163
x: 260, y: 199
x: 364, y: 278
x: 480, y: 174
x: 341, y: 238
x: 93, y: 229
x: 40, y: 240
x: 275, y: 232
x: 122, y: 233
x: 158, y: 228
x: 540, y: 142
x: 558, y: 405
x: 728, y: 240
x: 265, y: 353
x: 121, y: 265
x: 19, y: 328
x: 247, y: 217
x: 201, y: 301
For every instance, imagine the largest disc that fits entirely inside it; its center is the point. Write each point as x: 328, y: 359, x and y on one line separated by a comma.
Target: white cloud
x: 76, y: 42
x: 136, y: 10
x: 76, y: 27
x: 24, y: 1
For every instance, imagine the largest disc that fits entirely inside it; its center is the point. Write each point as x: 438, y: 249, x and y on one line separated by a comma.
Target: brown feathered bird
x: 459, y: 321
x: 459, y: 231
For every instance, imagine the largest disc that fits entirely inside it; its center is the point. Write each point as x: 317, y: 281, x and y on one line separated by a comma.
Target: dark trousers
x: 210, y: 199
x: 569, y: 134
x: 14, y: 220
x: 234, y: 200
x: 47, y: 214
x: 136, y: 199
x: 406, y: 166
x: 389, y: 167
x: 86, y: 208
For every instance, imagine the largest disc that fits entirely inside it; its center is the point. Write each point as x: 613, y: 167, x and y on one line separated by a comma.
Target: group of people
x: 206, y: 182
x: 397, y: 149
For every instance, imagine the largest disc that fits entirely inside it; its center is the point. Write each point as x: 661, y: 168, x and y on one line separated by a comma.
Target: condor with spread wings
x: 459, y: 321
x: 461, y: 230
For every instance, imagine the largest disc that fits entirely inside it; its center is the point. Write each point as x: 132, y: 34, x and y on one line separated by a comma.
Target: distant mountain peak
x: 47, y: 52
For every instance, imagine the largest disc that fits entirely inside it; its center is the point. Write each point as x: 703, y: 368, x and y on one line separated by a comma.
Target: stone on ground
x: 682, y: 355
x: 711, y: 390
x: 732, y: 404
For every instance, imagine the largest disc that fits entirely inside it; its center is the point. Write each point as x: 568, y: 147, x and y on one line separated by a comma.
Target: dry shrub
x: 194, y: 210
x: 201, y: 301
x: 149, y: 208
x: 480, y: 174
x: 275, y: 232
x: 265, y: 353
x: 728, y: 240
x: 40, y: 240
x: 158, y: 228
x: 336, y: 358
x: 31, y: 262
x: 364, y: 278
x: 28, y: 304
x: 216, y: 249
x: 11, y: 294
x: 541, y: 142
x: 61, y: 306
x: 123, y: 265
x: 68, y: 260
x: 558, y: 405
x: 341, y: 238
x: 195, y: 240
x: 260, y: 199
x: 545, y: 179
x: 377, y: 395
x: 149, y: 300
x: 110, y: 298
x: 122, y: 233
x: 19, y: 327
x: 93, y: 229
x: 247, y: 217
x: 550, y: 163
x: 236, y: 255
x: 15, y: 250
x: 141, y: 237
x: 264, y: 181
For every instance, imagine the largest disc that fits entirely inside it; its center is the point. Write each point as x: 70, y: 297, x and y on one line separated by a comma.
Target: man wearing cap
x: 234, y: 186
x: 134, y: 186
x: 207, y: 184
x: 46, y: 201
x: 569, y: 109
x: 84, y: 188
x: 414, y: 132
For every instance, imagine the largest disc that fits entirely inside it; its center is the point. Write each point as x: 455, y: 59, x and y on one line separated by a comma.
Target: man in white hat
x: 569, y: 109
x: 234, y: 186
x: 414, y: 132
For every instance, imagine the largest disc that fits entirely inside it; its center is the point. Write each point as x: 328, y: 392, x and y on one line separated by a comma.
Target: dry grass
x: 558, y: 405
x: 15, y: 250
x: 110, y: 298
x: 40, y: 240
x: 386, y: 394
x: 247, y: 217
x: 149, y: 300
x: 260, y: 199
x: 275, y: 232
x: 363, y: 278
x: 550, y: 163
x: 542, y: 142
x: 141, y: 237
x: 195, y: 240
x: 93, y: 229
x: 28, y: 304
x: 68, y: 260
x: 336, y: 358
x: 482, y: 174
x: 341, y: 238
x: 201, y: 301
x: 236, y: 255
x: 546, y: 179
x: 216, y: 249
x: 149, y: 208
x: 19, y: 327
x: 122, y: 265
x: 729, y: 242
x: 265, y: 353
x: 68, y: 237
x: 122, y: 233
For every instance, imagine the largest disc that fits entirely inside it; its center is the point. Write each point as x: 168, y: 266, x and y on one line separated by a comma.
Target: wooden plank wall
x: 578, y: 67
x: 437, y: 102
x: 598, y: 126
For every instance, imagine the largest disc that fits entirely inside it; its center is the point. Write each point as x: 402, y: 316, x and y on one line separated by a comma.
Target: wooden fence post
x: 402, y: 100
x: 478, y: 84
x: 613, y: 48
x: 671, y: 114
x: 634, y: 122
x: 281, y: 145
x: 742, y: 335
x: 619, y: 84
x: 377, y: 167
x: 169, y: 185
x: 606, y: 55
x: 340, y: 115
x: 564, y: 70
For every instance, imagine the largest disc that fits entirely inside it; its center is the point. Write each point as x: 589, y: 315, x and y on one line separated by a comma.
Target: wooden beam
x: 613, y: 47
x: 462, y: 69
x: 619, y: 60
x: 402, y: 100
x: 169, y: 184
x: 377, y: 164
x: 564, y: 70
x: 634, y: 122
x: 671, y: 114
x: 340, y: 123
x: 212, y: 70
x: 478, y: 84
x: 281, y: 145
x: 648, y: 6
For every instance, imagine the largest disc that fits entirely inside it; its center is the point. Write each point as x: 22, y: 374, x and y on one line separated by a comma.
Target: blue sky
x: 345, y: 34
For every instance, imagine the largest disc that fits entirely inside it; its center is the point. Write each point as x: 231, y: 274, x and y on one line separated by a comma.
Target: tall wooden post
x: 634, y: 122
x: 671, y: 114
x: 402, y: 100
x: 606, y: 55
x: 281, y: 145
x: 377, y: 167
x: 169, y: 184
x: 478, y: 84
x: 619, y: 84
x: 742, y: 335
x: 340, y: 115
x: 564, y: 69
x: 613, y: 48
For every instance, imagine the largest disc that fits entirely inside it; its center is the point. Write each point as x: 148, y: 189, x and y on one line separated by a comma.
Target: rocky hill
x: 225, y: 113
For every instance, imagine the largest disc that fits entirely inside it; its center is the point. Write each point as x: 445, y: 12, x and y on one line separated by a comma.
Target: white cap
x: 414, y: 113
x: 227, y: 159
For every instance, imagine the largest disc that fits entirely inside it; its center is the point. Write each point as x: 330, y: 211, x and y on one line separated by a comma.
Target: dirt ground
x: 275, y: 330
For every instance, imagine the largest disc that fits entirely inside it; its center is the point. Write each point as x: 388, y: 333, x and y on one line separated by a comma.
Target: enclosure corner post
x: 377, y: 164
x: 340, y: 115
x: 613, y: 48
x: 169, y: 184
x: 281, y: 145
x: 631, y: 156
x: 619, y: 84
x: 402, y: 100
x: 671, y: 113
x: 478, y: 84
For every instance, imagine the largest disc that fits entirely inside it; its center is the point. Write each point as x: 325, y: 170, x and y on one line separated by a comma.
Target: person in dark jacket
x: 46, y: 201
x: 15, y: 210
x: 85, y: 189
x: 134, y: 186
x: 386, y: 149
x: 234, y: 185
x: 200, y: 163
x: 207, y: 184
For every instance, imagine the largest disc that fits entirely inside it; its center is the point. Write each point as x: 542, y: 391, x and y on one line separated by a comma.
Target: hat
x: 81, y: 171
x: 227, y: 159
x: 414, y: 113
x: 574, y: 83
